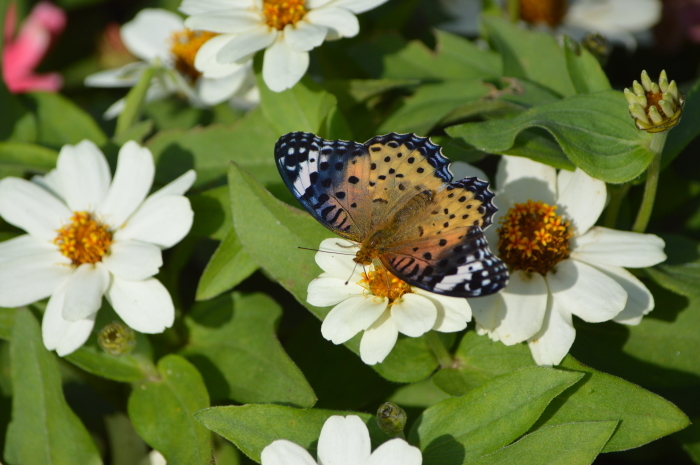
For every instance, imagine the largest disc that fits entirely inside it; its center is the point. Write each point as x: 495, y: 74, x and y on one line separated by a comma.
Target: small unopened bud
x: 598, y: 46
x: 655, y: 107
x: 391, y: 418
x: 117, y: 338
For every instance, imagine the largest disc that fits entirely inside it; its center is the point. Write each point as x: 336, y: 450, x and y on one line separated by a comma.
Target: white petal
x: 51, y: 182
x: 133, y: 260
x: 84, y: 290
x: 132, y: 181
x: 378, y: 339
x: 396, y: 452
x: 520, y: 310
x: 488, y: 311
x: 206, y: 62
x: 195, y: 7
x: 615, y: 15
x: 84, y: 175
x: 115, y: 109
x: 60, y: 335
x: 327, y: 290
x: 214, y: 91
x: 338, y: 19
x: 351, y: 316
x: 582, y: 201
x: 603, y: 246
x: 148, y: 35
x: 283, y: 67
x: 585, y: 291
x: 453, y: 313
x: 283, y: 452
x: 145, y: 305
x: 32, y: 208
x: 462, y: 170
x: 178, y: 186
x: 29, y: 271
x: 414, y: 315
x: 551, y: 344
x: 357, y: 6
x: 126, y: 76
x: 246, y: 43
x: 344, y: 441
x: 639, y: 300
x: 229, y: 21
x: 335, y: 257
x: 163, y: 222
x: 521, y: 179
x: 304, y: 36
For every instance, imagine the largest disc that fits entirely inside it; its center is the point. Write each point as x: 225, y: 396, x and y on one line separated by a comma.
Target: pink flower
x: 22, y: 54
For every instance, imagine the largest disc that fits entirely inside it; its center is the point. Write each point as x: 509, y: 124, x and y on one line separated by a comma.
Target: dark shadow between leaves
x: 214, y: 379
x: 173, y: 161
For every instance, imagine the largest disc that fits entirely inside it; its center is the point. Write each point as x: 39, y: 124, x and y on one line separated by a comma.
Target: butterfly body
x: 395, y: 196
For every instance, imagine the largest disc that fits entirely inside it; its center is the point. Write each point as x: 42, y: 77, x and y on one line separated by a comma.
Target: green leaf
x: 567, y: 444
x: 644, y: 416
x: 162, y: 410
x: 44, y: 430
x: 584, y: 70
x: 126, y: 447
x: 7, y: 321
x: 530, y: 55
x: 489, y: 417
x: 18, y: 157
x: 594, y: 131
x: 680, y: 273
x: 212, y: 208
x: 134, y: 100
x: 232, y: 341
x: 687, y: 130
x: 253, y: 427
x: 272, y: 232
x: 432, y: 102
x: 421, y: 394
x: 60, y: 121
x: 137, y: 132
x: 226, y: 269
x: 209, y: 150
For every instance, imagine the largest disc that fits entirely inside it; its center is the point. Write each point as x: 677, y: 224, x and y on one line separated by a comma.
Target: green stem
x: 644, y: 214
x: 617, y: 195
x: 441, y: 353
x: 134, y: 101
x: 514, y: 10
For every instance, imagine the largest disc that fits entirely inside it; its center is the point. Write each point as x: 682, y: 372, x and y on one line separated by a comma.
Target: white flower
x: 617, y: 20
x: 287, y: 29
x: 574, y: 270
x: 343, y: 441
x: 374, y: 301
x: 159, y: 37
x: 90, y: 235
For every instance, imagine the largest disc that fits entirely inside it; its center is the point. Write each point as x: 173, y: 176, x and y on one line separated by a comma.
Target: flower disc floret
x: 533, y: 237
x: 381, y: 283
x: 550, y: 12
x: 280, y: 13
x: 185, y: 45
x: 84, y: 239
x: 655, y: 107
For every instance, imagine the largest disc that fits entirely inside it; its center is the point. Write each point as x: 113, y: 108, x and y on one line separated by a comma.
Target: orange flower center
x: 550, y: 12
x: 84, y: 239
x: 279, y: 13
x: 382, y: 283
x: 185, y: 45
x: 533, y: 238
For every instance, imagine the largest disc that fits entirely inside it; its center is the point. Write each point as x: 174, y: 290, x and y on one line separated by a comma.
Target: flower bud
x: 391, y: 418
x: 655, y: 107
x: 117, y: 338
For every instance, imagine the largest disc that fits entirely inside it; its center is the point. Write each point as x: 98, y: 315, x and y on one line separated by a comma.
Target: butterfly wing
x: 443, y: 248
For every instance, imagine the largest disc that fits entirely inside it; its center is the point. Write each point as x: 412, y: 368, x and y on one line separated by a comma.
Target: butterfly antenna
x: 353, y: 272
x: 325, y: 251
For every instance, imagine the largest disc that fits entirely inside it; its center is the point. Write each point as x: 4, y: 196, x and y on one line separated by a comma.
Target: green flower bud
x: 117, y: 338
x: 391, y: 418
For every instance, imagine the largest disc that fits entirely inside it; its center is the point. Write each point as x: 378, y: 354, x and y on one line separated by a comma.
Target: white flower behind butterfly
x: 376, y: 302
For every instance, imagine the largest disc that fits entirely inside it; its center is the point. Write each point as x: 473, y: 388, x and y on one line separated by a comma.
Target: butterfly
x: 396, y: 196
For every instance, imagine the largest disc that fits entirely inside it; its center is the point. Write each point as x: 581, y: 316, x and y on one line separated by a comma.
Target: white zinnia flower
x: 90, y: 235
x: 557, y: 270
x: 159, y: 37
x: 371, y: 299
x: 343, y: 441
x: 287, y: 29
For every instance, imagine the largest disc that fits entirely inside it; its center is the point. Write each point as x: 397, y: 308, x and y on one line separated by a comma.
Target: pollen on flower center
x: 279, y: 13
x: 533, y: 238
x: 84, y: 239
x: 382, y: 283
x: 185, y: 45
x: 550, y: 12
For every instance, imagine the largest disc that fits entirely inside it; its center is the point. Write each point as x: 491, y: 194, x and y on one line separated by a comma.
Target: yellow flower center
x: 279, y: 13
x: 84, y: 239
x: 533, y: 238
x: 382, y: 283
x: 550, y: 12
x: 185, y: 45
